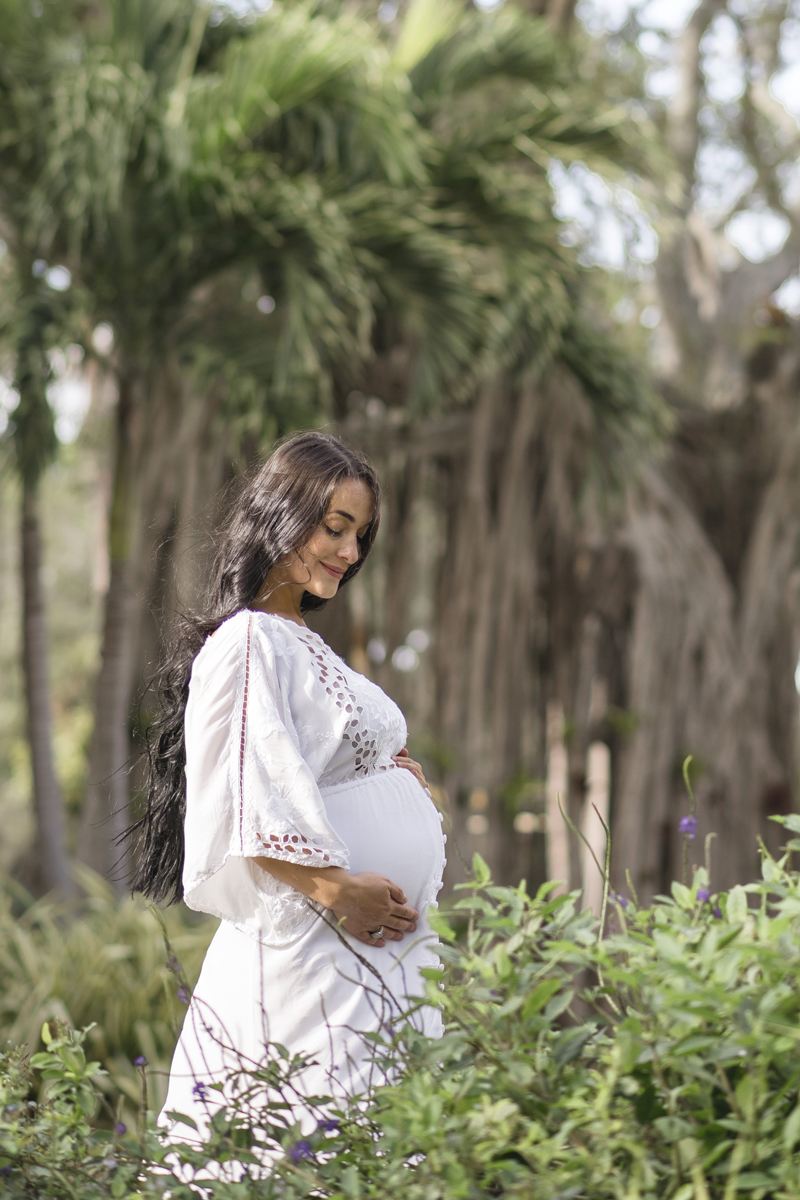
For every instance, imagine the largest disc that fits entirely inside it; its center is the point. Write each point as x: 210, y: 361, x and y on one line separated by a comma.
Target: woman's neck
x: 282, y: 602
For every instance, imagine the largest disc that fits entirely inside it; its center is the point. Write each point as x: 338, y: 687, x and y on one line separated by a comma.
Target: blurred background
x: 539, y: 261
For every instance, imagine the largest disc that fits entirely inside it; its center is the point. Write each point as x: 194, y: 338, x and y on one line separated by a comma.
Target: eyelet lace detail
x: 366, y: 748
x: 291, y: 846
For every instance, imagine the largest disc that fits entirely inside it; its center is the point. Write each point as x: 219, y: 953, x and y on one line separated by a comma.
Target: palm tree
x: 37, y: 317
x: 503, y: 396
x: 30, y: 332
x: 166, y: 153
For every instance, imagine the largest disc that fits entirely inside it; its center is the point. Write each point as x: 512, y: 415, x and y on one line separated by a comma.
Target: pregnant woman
x: 282, y: 799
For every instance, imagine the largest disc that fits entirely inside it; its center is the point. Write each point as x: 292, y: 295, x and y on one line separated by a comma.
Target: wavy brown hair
x: 271, y: 517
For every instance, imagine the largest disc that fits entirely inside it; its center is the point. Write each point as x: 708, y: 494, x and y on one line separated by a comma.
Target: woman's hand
x: 363, y: 903
x: 402, y: 760
x: 367, y: 902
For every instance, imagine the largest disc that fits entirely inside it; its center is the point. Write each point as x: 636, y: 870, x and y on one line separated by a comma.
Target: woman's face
x: 333, y: 546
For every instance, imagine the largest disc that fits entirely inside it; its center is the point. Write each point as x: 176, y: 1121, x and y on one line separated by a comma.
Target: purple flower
x: 703, y: 895
x: 718, y: 913
x: 300, y: 1150
x: 688, y: 827
x: 330, y: 1125
x: 6, y: 1170
x: 172, y: 964
x: 199, y: 1091
x: 140, y: 1061
x: 120, y: 1128
x: 183, y: 994
x: 621, y: 900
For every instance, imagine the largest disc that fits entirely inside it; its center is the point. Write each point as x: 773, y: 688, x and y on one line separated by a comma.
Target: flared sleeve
x: 249, y: 792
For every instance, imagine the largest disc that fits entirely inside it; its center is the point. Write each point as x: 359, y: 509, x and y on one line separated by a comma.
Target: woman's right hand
x: 361, y: 902
x: 368, y: 901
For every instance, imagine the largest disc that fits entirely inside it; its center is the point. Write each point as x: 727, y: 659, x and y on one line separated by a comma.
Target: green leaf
x: 736, y: 908
x: 791, y: 1130
x: 184, y: 1120
x: 683, y: 896
x: 441, y: 926
x: 521, y: 1073
x: 570, y: 1043
x: 426, y: 22
x: 480, y: 869
x: 770, y: 871
x: 629, y: 1046
x: 789, y: 821
x: 672, y: 1129
x: 540, y: 996
x: 350, y: 1183
x: 559, y: 1004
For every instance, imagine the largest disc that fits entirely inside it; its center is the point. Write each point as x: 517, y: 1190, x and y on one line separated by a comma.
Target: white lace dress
x: 288, y: 755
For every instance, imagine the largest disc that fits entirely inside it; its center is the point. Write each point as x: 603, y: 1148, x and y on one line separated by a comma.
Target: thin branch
x: 683, y: 121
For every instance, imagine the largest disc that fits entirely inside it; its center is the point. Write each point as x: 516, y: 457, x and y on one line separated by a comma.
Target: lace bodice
x: 273, y: 717
x: 366, y: 727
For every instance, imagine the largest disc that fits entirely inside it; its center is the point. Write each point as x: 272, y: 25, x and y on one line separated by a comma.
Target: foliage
x: 659, y: 1061
x: 498, y: 98
x: 167, y: 159
x: 104, y: 967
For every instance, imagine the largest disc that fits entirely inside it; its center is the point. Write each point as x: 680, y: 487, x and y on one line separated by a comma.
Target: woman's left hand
x: 402, y: 760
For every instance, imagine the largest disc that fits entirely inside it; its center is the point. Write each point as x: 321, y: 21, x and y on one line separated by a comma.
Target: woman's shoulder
x: 221, y: 651
x: 247, y: 631
x: 277, y: 637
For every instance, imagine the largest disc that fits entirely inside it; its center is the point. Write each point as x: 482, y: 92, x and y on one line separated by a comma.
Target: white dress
x: 288, y: 755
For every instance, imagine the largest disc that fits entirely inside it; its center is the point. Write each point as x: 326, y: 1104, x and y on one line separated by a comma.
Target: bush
x: 105, y: 968
x: 661, y: 1061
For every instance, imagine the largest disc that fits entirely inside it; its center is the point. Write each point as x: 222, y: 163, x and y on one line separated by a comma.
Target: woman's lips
x: 332, y: 571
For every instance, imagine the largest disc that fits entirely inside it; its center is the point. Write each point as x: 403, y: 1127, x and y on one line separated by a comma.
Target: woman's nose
x: 350, y: 552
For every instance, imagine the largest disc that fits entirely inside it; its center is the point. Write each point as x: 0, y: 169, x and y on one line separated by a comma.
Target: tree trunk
x: 104, y: 815
x: 714, y: 643
x: 665, y: 623
x: 52, y: 867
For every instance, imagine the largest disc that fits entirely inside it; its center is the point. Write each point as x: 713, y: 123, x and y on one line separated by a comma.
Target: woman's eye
x: 333, y: 532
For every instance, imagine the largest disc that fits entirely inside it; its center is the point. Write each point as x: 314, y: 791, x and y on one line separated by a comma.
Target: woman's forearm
x: 364, y: 902
x: 324, y: 885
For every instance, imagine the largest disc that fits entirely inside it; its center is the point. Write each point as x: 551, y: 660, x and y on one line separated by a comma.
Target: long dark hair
x: 272, y: 515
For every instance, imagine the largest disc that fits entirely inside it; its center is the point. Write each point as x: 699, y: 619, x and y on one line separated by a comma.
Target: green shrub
x: 661, y: 1061
x: 105, y: 968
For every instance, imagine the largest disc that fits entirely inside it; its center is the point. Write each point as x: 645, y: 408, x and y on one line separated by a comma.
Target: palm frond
x: 316, y: 92
x: 508, y: 45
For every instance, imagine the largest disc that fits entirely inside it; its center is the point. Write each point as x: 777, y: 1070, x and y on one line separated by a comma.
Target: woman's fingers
x: 404, y: 911
x: 391, y: 933
x: 376, y: 902
x: 409, y: 764
x: 362, y: 935
x: 398, y: 895
x: 371, y: 941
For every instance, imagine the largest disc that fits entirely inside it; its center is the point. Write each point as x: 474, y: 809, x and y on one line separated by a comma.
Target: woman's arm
x: 361, y: 902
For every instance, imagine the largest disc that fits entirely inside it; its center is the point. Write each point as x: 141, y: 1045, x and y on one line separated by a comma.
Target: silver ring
x: 378, y: 933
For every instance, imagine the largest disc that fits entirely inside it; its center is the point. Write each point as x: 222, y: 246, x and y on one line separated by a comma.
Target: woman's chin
x: 325, y: 589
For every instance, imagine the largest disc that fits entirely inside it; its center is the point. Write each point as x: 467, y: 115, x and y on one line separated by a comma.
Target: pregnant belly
x: 390, y: 825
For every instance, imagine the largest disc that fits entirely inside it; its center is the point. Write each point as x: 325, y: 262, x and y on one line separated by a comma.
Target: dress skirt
x: 318, y: 996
